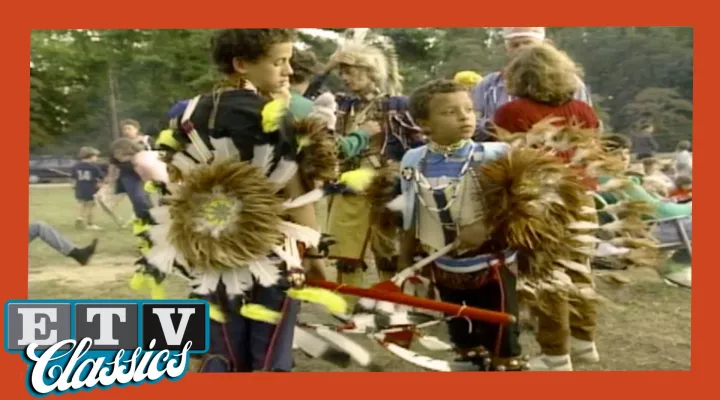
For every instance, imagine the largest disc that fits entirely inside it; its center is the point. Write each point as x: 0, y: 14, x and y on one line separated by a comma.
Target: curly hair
x: 246, y: 44
x: 304, y: 64
x: 544, y: 74
x: 419, y: 103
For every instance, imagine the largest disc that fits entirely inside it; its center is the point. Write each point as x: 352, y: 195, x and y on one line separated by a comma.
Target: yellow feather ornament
x: 358, y: 180
x: 272, y: 114
x: 333, y: 302
x: 261, y: 313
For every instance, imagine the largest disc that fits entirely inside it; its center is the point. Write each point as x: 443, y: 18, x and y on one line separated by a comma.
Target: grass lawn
x: 647, y: 328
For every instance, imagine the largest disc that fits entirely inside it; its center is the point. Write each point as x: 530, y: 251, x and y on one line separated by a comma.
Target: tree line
x: 82, y: 82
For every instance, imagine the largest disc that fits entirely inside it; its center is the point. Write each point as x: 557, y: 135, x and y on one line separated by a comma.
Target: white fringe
x: 266, y: 272
x: 225, y: 150
x: 237, y: 280
x: 262, y: 157
x: 206, y: 282
x: 284, y: 171
x: 308, y: 198
x: 397, y: 204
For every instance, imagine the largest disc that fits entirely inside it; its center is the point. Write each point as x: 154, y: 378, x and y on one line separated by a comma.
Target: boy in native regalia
x: 490, y: 203
x: 237, y: 221
x: 371, y: 73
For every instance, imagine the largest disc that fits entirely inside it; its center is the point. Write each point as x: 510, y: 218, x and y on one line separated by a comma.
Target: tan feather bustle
x: 249, y: 233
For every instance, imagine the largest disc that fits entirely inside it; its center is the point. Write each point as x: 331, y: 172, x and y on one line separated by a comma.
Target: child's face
x: 356, y: 79
x: 92, y: 159
x: 270, y: 73
x: 130, y: 131
x: 451, y: 118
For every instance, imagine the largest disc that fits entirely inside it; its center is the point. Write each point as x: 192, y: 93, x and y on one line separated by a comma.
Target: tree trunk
x: 113, y: 104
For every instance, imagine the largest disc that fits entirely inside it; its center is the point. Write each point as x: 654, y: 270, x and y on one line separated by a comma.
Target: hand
x: 371, y: 127
x: 296, y: 277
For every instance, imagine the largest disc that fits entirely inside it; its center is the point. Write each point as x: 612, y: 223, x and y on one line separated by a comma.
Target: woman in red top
x: 543, y: 81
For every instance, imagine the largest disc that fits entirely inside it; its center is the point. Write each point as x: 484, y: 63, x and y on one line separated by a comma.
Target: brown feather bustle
x: 590, y: 156
x: 531, y: 198
x: 318, y: 161
x: 248, y: 234
x: 381, y: 192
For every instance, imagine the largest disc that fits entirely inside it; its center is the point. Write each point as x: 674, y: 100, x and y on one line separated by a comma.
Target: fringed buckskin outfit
x: 224, y: 225
x: 352, y: 220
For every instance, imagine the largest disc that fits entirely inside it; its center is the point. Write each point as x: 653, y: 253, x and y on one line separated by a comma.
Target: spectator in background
x: 131, y: 130
x: 491, y: 93
x: 683, y: 158
x: 88, y: 177
x: 643, y: 142
x: 683, y: 189
x: 127, y: 180
x: 543, y: 81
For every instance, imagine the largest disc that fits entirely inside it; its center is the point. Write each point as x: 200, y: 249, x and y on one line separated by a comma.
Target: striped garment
x: 437, y: 226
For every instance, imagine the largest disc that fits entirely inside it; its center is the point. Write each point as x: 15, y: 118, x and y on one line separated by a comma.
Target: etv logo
x: 71, y: 345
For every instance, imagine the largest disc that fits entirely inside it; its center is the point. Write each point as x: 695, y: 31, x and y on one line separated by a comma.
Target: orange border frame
x: 379, y: 13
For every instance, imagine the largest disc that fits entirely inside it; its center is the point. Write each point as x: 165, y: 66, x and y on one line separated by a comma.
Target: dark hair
x: 419, y: 102
x: 246, y: 44
x: 684, y: 145
x: 649, y: 162
x: 304, y: 64
x: 683, y: 180
x: 616, y: 142
x: 130, y: 122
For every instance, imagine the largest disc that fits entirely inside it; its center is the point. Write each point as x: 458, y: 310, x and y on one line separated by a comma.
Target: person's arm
x: 353, y: 144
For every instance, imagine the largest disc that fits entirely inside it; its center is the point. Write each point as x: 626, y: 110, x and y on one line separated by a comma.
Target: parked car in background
x: 47, y: 169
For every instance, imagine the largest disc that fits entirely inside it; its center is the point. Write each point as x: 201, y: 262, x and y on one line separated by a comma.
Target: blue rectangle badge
x: 72, y: 345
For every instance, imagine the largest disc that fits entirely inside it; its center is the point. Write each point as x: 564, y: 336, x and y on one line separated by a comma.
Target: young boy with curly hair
x: 234, y: 120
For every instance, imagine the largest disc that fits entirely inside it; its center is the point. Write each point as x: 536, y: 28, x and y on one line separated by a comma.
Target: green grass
x: 647, y: 328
